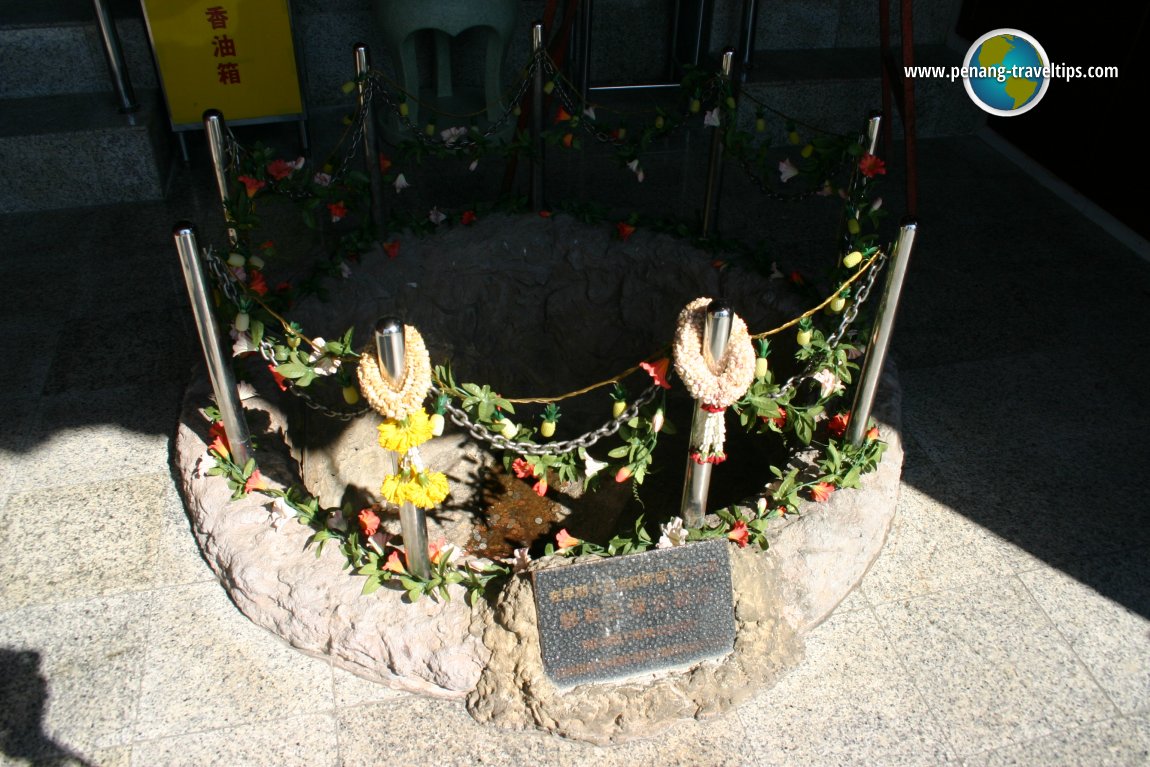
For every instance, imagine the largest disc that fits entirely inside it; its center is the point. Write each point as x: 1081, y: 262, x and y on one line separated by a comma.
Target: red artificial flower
x: 255, y: 482
x: 338, y: 210
x: 368, y: 522
x: 545, y: 214
x: 719, y: 264
x: 280, y: 169
x: 562, y: 115
x: 658, y: 370
x: 566, y: 540
x: 268, y: 247
x: 837, y: 425
x: 217, y: 430
x: 540, y: 487
x: 283, y: 287
x: 522, y: 468
x: 568, y: 140
x: 394, y: 565
x: 779, y: 421
x: 435, y: 551
x: 623, y: 474
x: 219, y: 446
x: 391, y: 248
x: 279, y: 379
x: 256, y: 282
x: 624, y: 230
x: 384, y: 163
x: 796, y: 278
x: 739, y: 533
x: 871, y: 166
x: 821, y: 491
x: 253, y: 185
x: 468, y: 218
x: 872, y: 434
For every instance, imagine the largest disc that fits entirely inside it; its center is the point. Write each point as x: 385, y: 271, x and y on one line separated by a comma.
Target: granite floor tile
x: 301, y: 741
x: 82, y: 540
x: 930, y: 548
x: 418, y: 730
x: 1102, y: 608
x: 83, y: 438
x: 1114, y: 743
x: 208, y: 666
x: 70, y: 678
x: 989, y: 664
x: 180, y: 559
x: 352, y: 690
x: 849, y: 702
x: 717, y: 742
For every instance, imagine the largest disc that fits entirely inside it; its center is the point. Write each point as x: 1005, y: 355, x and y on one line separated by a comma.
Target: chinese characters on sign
x: 236, y: 57
x: 637, y: 613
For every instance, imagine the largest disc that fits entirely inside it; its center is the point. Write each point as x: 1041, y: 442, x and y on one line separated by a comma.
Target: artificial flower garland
x: 398, y: 403
x: 715, y: 389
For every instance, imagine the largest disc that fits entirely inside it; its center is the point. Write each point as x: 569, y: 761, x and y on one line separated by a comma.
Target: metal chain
x: 771, y: 193
x: 225, y: 280
x: 460, y: 418
x: 833, y: 340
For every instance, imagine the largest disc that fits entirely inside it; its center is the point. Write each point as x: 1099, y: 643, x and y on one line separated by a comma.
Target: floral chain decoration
x: 714, y: 387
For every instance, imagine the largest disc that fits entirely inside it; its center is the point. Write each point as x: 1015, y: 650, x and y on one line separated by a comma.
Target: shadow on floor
x: 23, y: 696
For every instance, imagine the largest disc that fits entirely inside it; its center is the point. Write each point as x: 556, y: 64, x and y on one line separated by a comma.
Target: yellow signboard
x: 236, y: 56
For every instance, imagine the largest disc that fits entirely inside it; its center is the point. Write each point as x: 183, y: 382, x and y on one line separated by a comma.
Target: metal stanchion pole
x: 412, y: 521
x: 697, y: 483
x: 715, y: 169
x: 537, y: 118
x: 214, y: 128
x: 880, y: 337
x: 114, y: 55
x: 219, y: 369
x: 370, y: 147
x: 747, y: 37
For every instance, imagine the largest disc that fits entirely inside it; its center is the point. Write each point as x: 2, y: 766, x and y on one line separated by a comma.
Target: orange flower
x: 522, y: 468
x: 255, y: 482
x: 624, y: 230
x: 778, y: 421
x: 568, y: 140
x: 739, y: 533
x: 394, y: 565
x: 468, y: 218
x: 545, y: 214
x: 280, y: 169
x: 658, y: 370
x: 391, y: 248
x: 623, y: 474
x: 540, y: 487
x: 368, y: 522
x: 566, y: 540
x: 253, y: 185
x: 821, y: 491
x: 279, y: 379
x: 838, y: 424
x: 871, y: 166
x: 257, y: 283
x: 219, y: 446
x: 562, y: 115
x: 872, y: 434
x: 338, y: 210
x: 384, y: 163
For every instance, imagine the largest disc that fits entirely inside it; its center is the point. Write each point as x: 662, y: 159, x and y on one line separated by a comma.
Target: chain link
x: 460, y: 418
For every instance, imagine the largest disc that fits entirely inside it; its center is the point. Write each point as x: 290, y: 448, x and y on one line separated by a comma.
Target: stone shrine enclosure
x: 548, y: 305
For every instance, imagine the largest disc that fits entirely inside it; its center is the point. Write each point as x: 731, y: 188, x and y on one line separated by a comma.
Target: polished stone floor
x: 1006, y: 622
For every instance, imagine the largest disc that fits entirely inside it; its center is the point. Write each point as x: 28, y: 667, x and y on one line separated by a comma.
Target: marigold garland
x: 400, y: 435
x: 423, y: 489
x: 390, y: 402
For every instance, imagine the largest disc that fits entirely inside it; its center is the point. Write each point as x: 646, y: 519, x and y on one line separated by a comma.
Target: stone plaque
x: 637, y: 613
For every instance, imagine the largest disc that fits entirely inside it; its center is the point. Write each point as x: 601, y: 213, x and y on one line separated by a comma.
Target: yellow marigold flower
x: 392, y: 489
x: 402, y: 435
x: 433, y: 489
x: 425, y: 490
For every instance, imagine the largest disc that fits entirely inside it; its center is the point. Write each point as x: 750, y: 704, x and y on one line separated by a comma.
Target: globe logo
x: 1009, y: 72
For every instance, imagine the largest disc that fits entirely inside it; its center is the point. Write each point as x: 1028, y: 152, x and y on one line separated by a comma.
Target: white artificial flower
x: 590, y: 112
x: 379, y: 540
x: 761, y: 505
x: 776, y: 273
x: 344, y: 270
x: 711, y: 119
x: 673, y: 535
x: 876, y: 204
x: 206, y: 463
x: 591, y: 467
x: 400, y: 183
x: 474, y: 164
x: 633, y: 166
x: 436, y: 216
x: 829, y: 382
x: 322, y: 179
x: 281, y: 511
x: 787, y: 170
x: 243, y: 343
x: 323, y: 364
x: 521, y: 560
x: 451, y: 135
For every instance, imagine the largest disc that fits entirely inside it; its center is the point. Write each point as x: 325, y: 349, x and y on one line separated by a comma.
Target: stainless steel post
x: 412, y: 521
x: 114, y: 55
x: 370, y: 146
x: 880, y: 337
x: 585, y: 16
x: 219, y: 368
x: 697, y: 482
x: 715, y: 169
x: 537, y: 119
x: 870, y: 135
x: 747, y: 38
x: 215, y: 128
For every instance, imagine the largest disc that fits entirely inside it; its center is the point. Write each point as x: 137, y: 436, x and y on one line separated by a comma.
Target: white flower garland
x: 714, y: 389
x: 397, y: 403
